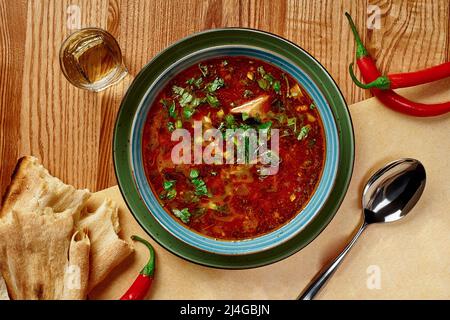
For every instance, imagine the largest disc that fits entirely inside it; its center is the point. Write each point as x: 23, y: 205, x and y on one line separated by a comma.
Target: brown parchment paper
x: 409, y: 259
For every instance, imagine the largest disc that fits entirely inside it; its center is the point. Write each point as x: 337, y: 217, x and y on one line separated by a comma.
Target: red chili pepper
x: 388, y: 97
x: 143, y: 282
x: 407, y: 79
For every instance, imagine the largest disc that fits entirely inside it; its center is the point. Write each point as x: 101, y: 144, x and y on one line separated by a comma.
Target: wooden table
x: 70, y: 130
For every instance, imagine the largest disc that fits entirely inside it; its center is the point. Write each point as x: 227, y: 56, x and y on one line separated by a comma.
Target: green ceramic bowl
x: 211, y: 42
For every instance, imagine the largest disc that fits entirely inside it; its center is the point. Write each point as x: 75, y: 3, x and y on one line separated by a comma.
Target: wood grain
x: 71, y: 130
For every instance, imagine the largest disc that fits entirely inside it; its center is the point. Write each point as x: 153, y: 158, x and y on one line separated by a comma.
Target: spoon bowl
x: 393, y: 191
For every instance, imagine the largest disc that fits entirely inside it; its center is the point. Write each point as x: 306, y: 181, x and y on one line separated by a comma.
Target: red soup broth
x: 234, y: 201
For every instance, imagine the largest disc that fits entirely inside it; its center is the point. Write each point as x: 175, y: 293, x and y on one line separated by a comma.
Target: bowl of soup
x: 233, y: 148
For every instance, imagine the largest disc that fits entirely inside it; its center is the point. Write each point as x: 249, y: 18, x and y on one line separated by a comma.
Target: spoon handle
x: 322, y: 277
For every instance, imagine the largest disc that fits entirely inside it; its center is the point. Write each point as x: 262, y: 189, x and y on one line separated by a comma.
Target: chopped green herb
x: 247, y: 93
x: 245, y: 116
x: 303, y: 132
x: 265, y: 125
x: 178, y: 90
x: 224, y: 62
x: 183, y: 214
x: 230, y: 122
x: 203, y: 69
x: 277, y: 86
x: 194, y: 173
x: 212, y: 100
x: 312, y: 106
x: 196, y: 82
x: 170, y: 107
x: 178, y: 124
x: 263, y: 84
x: 186, y: 97
x: 292, y: 122
x: 200, y: 187
x: 171, y: 194
x: 188, y: 112
x: 168, y: 184
x: 216, y: 84
x: 170, y: 126
x: 172, y: 112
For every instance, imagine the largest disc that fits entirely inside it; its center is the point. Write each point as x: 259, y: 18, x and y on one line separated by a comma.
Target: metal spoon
x: 388, y: 196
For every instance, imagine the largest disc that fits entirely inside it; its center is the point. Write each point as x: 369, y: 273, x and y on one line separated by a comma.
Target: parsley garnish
x: 212, y: 100
x: 277, y: 86
x: 170, y: 126
x: 304, y: 131
x: 216, y: 84
x: 183, y: 214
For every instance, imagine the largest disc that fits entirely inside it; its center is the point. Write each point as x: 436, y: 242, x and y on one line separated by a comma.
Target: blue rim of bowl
x: 277, y: 236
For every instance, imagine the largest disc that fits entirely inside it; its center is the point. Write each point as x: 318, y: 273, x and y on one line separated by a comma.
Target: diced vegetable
x: 269, y: 78
x: 220, y: 114
x: 245, y: 116
x: 296, y: 91
x: 310, y: 117
x: 261, y: 71
x: 250, y: 75
x: 263, y: 84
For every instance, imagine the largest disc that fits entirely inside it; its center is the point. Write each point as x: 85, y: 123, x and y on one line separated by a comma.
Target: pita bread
x: 3, y: 290
x: 77, y: 271
x: 46, y: 250
x: 34, y: 250
x: 107, y: 249
x: 32, y: 189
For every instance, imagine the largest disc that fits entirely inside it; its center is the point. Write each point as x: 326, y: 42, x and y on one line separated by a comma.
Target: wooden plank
x: 12, y: 40
x: 71, y: 130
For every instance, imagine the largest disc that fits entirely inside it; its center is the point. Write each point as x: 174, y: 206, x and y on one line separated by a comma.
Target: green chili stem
x: 149, y: 268
x: 381, y: 82
x: 361, y: 51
